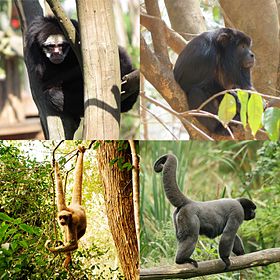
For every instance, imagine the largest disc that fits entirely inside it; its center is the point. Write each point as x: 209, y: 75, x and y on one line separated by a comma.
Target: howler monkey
x: 59, y: 72
x: 72, y: 218
x: 213, y: 62
x: 210, y: 218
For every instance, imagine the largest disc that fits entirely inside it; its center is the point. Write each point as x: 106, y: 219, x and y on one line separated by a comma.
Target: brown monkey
x: 72, y: 219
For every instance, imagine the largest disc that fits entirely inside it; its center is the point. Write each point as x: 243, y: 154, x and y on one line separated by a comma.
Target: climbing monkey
x: 72, y: 219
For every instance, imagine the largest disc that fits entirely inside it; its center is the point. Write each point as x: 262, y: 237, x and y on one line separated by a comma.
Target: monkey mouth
x: 249, y: 64
x: 56, y: 60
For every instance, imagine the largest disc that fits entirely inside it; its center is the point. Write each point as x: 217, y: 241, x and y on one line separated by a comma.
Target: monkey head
x: 56, y: 48
x: 249, y: 208
x: 64, y: 217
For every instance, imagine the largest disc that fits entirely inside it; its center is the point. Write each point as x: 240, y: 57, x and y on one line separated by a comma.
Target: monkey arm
x: 59, y: 190
x: 228, y: 239
x: 78, y: 179
x: 238, y: 247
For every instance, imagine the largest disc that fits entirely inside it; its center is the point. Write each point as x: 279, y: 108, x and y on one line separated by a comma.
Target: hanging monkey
x: 72, y: 219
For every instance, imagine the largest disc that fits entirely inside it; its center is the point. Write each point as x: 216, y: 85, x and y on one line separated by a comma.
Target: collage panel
x: 210, y: 70
x: 66, y: 76
x: 194, y: 191
x: 68, y: 210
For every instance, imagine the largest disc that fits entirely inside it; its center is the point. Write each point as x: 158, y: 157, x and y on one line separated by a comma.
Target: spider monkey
x: 72, y: 219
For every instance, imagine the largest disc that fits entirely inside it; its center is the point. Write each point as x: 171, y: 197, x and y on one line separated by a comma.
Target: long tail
x: 168, y: 164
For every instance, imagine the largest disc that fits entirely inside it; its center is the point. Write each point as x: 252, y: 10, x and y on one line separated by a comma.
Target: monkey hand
x: 81, y: 148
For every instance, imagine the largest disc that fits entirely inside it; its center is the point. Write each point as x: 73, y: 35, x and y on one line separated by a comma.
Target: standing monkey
x: 210, y: 218
x: 72, y: 219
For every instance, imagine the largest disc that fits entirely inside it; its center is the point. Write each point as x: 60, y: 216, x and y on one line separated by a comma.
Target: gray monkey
x: 209, y: 218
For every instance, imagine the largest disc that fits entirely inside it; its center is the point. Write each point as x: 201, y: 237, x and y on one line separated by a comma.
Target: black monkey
x: 58, y: 70
x: 210, y: 218
x: 213, y: 62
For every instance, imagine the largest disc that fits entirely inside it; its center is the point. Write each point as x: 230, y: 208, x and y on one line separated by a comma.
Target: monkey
x: 72, y: 219
x: 209, y: 218
x: 58, y: 71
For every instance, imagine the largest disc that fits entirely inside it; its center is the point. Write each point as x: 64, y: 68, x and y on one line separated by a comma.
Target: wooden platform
x: 29, y: 129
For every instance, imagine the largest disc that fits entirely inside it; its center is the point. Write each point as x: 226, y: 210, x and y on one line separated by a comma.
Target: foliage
x: 209, y: 171
x: 252, y: 107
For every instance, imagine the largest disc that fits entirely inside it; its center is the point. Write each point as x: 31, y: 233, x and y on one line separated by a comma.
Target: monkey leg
x: 187, y: 231
x: 185, y: 249
x: 238, y: 247
x: 228, y: 239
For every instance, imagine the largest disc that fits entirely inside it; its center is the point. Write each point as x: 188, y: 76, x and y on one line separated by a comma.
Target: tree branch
x: 260, y: 258
x: 159, y: 41
x: 175, y: 41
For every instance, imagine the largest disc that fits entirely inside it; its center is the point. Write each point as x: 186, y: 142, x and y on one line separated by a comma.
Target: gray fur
x: 209, y: 218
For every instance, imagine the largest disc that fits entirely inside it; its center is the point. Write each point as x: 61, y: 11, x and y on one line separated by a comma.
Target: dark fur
x: 63, y: 83
x: 209, y: 218
x: 213, y: 62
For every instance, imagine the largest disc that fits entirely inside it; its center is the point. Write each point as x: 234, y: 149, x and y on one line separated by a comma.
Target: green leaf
x: 271, y: 123
x: 26, y: 228
x: 243, y: 97
x: 5, y: 217
x: 255, y: 112
x: 113, y: 161
x: 128, y: 166
x: 14, y: 245
x: 24, y: 244
x: 216, y: 13
x: 3, y: 230
x: 227, y: 109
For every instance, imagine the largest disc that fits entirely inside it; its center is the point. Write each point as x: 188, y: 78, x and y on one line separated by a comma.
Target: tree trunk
x: 119, y: 203
x: 101, y: 69
x: 264, y: 32
x: 185, y: 17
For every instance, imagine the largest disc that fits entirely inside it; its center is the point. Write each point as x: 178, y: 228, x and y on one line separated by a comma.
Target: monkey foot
x: 189, y: 260
x: 227, y: 263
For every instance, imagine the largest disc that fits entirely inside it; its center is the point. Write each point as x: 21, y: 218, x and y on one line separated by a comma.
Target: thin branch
x: 53, y: 153
x: 260, y: 258
x: 160, y: 121
x: 265, y: 96
x: 178, y: 115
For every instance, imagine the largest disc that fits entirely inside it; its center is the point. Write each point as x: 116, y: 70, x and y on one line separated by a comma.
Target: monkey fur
x: 209, y: 218
x: 72, y: 219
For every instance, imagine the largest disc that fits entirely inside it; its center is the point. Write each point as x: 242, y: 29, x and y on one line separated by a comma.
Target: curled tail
x: 168, y: 164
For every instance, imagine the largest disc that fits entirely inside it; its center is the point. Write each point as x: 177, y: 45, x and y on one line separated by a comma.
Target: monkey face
x: 65, y: 218
x: 56, y: 48
x: 249, y: 211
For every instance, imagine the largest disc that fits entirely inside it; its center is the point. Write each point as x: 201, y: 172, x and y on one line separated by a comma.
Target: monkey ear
x: 223, y: 39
